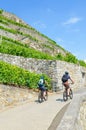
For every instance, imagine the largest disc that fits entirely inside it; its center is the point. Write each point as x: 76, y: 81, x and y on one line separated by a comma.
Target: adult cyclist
x: 65, y: 81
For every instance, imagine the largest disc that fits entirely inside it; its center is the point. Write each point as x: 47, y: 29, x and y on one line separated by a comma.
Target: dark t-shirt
x: 65, y: 78
x: 68, y: 77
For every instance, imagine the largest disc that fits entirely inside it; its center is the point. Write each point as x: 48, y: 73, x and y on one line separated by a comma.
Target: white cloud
x: 72, y: 21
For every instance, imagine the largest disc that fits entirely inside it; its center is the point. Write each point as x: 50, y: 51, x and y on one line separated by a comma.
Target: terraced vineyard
x: 20, y: 39
x: 14, y: 29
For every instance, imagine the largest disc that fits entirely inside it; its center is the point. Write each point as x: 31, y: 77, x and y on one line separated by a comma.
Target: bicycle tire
x: 71, y: 94
x: 46, y: 96
x: 65, y: 97
x: 40, y: 97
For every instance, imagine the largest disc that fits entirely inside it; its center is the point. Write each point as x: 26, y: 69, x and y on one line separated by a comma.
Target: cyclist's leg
x: 67, y: 88
x: 44, y: 91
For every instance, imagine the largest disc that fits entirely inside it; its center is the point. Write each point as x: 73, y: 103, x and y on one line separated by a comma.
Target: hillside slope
x: 14, y: 28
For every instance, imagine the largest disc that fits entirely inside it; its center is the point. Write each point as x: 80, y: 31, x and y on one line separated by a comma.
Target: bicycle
x: 42, y: 98
x: 65, y: 94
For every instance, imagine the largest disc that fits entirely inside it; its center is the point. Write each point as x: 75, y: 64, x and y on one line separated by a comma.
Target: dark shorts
x: 42, y: 88
x: 66, y: 84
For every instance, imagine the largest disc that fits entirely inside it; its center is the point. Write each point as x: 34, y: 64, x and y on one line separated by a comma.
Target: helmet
x: 42, y: 77
x: 66, y: 72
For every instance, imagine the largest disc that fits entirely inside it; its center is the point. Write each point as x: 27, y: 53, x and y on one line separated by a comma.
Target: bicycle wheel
x: 71, y: 94
x: 65, y: 98
x: 40, y: 97
x: 46, y: 96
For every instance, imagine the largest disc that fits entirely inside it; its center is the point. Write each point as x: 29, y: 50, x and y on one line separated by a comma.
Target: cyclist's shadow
x: 36, y: 101
x: 60, y: 100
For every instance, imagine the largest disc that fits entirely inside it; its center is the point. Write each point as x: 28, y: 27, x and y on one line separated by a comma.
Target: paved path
x: 32, y: 115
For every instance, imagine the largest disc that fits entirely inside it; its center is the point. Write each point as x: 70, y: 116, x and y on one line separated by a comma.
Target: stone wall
x: 12, y: 17
x: 12, y: 96
x: 77, y: 73
x: 75, y: 116
x: 54, y: 69
x: 82, y: 116
x: 28, y: 35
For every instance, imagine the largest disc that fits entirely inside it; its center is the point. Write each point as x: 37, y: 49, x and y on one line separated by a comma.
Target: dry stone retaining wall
x: 54, y: 69
x: 12, y: 17
x: 75, y: 116
x: 82, y: 116
x: 12, y: 96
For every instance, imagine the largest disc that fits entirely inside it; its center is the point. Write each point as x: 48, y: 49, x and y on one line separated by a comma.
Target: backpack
x: 64, y: 78
x: 41, y: 83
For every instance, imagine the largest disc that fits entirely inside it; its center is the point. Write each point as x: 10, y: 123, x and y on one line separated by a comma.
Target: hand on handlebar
x: 72, y: 82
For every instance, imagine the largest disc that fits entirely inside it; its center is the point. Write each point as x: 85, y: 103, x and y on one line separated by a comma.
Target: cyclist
x: 41, y: 85
x: 65, y: 78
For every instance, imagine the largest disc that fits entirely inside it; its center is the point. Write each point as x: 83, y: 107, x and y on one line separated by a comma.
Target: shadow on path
x: 60, y: 100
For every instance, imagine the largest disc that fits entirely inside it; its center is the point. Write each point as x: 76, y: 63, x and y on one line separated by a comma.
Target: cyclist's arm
x: 72, y: 81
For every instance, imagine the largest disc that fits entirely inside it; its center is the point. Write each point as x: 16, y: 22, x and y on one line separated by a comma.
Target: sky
x: 63, y: 21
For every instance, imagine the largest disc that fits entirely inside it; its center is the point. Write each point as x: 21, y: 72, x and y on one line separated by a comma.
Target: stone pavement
x: 32, y: 115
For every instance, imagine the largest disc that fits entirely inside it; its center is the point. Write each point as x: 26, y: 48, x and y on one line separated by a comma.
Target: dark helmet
x: 66, y: 72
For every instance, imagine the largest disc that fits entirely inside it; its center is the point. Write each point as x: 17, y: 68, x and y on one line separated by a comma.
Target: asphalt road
x: 33, y: 115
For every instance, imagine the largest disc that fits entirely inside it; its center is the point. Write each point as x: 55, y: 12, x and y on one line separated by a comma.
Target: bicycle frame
x: 65, y: 94
x: 42, y: 98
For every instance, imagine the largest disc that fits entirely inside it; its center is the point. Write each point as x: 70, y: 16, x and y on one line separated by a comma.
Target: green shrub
x: 59, y: 57
x: 13, y: 75
x: 82, y: 63
x: 1, y: 11
x: 71, y: 58
x: 18, y: 50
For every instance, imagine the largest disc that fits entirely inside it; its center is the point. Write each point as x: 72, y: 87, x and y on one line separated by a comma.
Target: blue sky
x: 64, y: 21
